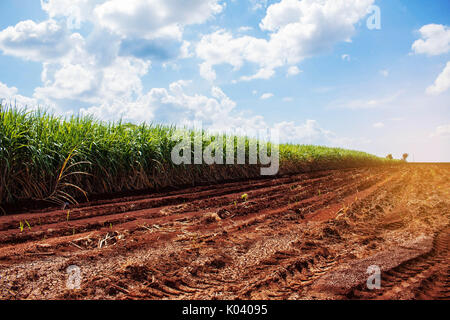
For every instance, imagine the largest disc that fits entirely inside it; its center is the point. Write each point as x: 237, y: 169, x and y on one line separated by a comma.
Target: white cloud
x: 305, y: 133
x: 84, y: 71
x: 288, y: 99
x: 311, y: 132
x: 69, y: 82
x: 384, y: 73
x: 244, y: 29
x: 266, y: 96
x: 85, y: 81
x: 435, y: 40
x: 174, y: 105
x: 263, y: 73
x: 185, y: 50
x: 292, y: 71
x: 297, y: 30
x: 207, y: 72
x: 442, y: 131
x: 74, y: 10
x: 139, y: 110
x: 220, y: 47
x: 345, y: 57
x: 148, y: 19
x: 216, y: 111
x: 259, y: 4
x: 88, y: 70
x: 137, y: 27
x: 378, y: 125
x: 442, y: 82
x: 43, y: 41
x: 152, y: 19
x: 10, y: 95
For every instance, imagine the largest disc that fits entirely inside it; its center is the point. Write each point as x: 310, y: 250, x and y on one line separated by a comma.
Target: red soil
x: 308, y: 236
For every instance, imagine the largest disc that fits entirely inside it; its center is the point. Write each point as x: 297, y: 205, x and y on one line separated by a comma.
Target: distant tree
x: 389, y: 156
x: 405, y: 156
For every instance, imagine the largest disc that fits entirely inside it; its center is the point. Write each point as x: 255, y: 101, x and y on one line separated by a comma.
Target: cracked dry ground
x: 308, y: 236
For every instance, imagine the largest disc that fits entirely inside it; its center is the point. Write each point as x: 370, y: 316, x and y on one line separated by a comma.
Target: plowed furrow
x: 296, y: 237
x: 279, y: 195
x: 424, y: 277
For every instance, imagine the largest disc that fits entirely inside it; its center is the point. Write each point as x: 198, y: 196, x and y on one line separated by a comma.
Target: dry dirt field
x: 308, y: 236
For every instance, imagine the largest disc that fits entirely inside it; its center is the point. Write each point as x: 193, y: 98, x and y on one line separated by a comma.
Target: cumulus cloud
x: 258, y: 4
x: 174, y: 105
x: 442, y: 82
x: 139, y: 110
x: 43, y: 41
x: 435, y: 40
x: 147, y: 28
x: 87, y: 83
x: 154, y: 18
x: 76, y: 11
x: 263, y: 73
x: 306, y: 133
x: 138, y: 18
x: 74, y: 68
x: 185, y: 50
x: 104, y: 68
x: 293, y: 71
x: 266, y: 96
x: 310, y: 132
x: 92, y: 70
x: 101, y: 71
x: 10, y: 95
x: 207, y: 72
x: 216, y: 112
x: 244, y: 29
x: 297, y: 30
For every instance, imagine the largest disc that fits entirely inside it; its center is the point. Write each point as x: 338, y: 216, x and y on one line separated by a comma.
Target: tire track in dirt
x: 299, y: 265
x: 421, y: 207
x: 277, y: 194
x: 278, y: 268
x: 278, y: 243
x: 424, y: 277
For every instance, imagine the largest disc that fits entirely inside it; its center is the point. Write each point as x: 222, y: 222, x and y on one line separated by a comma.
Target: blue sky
x: 311, y: 69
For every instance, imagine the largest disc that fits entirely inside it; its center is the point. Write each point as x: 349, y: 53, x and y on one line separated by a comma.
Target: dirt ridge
x: 284, y: 240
